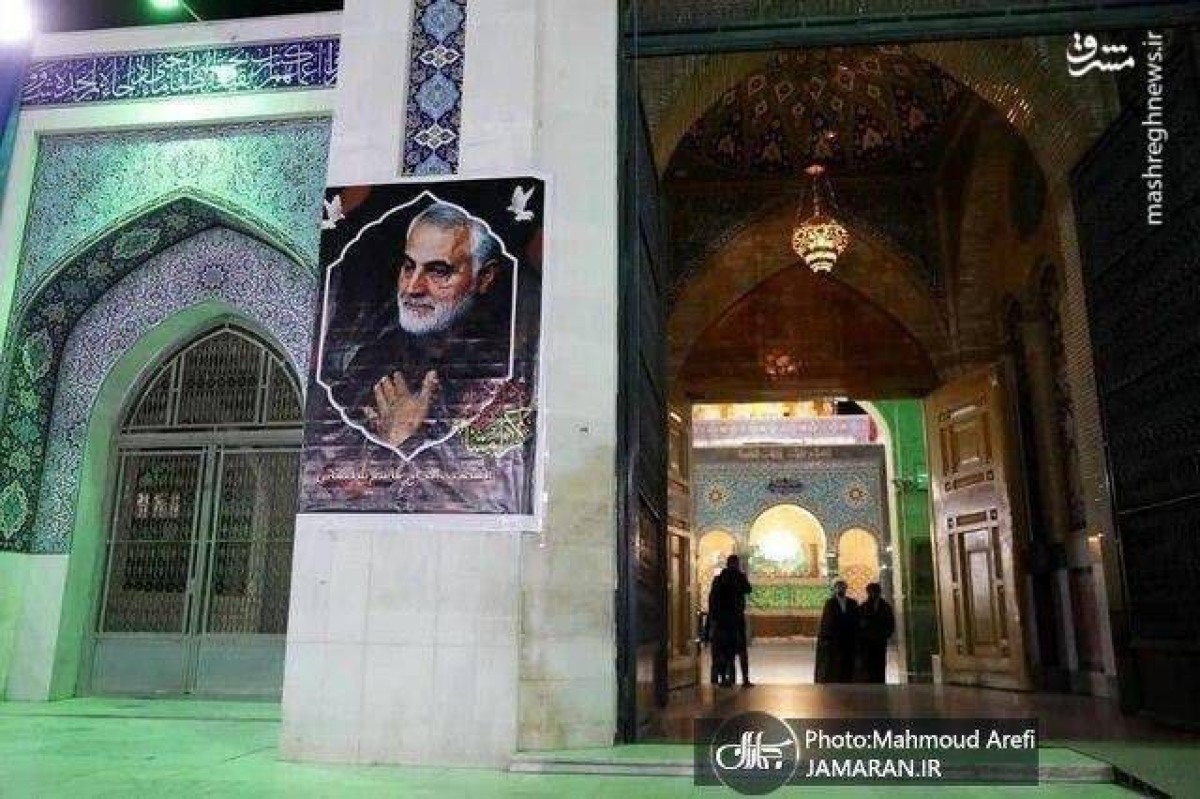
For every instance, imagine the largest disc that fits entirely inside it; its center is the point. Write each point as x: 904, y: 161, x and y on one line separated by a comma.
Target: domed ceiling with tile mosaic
x: 854, y: 107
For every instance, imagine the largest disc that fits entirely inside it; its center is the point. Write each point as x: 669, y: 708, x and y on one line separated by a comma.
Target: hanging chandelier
x: 780, y: 364
x: 818, y: 238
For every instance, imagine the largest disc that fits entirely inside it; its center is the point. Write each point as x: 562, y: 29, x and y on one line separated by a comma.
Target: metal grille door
x: 197, y: 582
x: 152, y: 545
x: 251, y: 552
x: 247, y: 574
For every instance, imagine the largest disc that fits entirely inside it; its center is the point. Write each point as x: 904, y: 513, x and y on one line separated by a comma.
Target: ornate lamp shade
x: 818, y: 238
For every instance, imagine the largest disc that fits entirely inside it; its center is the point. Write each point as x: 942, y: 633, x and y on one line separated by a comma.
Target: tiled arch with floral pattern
x: 257, y: 282
x: 37, y: 340
x: 86, y: 185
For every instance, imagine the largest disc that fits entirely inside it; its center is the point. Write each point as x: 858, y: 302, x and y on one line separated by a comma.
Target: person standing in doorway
x: 876, y: 625
x: 837, y: 637
x: 719, y: 658
x: 727, y: 622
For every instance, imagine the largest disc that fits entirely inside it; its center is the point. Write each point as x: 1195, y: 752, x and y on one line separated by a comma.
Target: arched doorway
x: 715, y: 546
x: 787, y: 541
x: 786, y: 560
x: 198, y: 554
x: 858, y: 561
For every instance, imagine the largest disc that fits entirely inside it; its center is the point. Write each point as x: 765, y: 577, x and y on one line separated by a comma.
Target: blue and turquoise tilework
x: 433, y: 114
x: 843, y: 487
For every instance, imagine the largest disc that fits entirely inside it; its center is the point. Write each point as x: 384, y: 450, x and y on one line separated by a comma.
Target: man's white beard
x: 434, y: 317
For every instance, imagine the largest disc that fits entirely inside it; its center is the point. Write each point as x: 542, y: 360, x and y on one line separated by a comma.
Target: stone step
x: 1057, y: 765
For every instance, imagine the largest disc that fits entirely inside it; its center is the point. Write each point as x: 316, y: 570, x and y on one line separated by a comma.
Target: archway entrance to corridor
x: 948, y: 346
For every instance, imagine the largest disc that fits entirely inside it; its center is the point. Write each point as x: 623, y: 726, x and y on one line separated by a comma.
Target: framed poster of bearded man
x: 423, y: 390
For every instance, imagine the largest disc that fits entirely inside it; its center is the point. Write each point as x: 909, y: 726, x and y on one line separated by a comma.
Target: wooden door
x: 1143, y: 293
x: 977, y: 511
x: 684, y: 662
x: 642, y: 554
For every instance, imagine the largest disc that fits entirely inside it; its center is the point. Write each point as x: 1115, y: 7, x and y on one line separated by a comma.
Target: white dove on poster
x: 333, y: 213
x: 517, y: 206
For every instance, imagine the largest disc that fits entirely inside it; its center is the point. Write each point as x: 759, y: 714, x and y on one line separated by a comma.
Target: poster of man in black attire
x: 424, y: 381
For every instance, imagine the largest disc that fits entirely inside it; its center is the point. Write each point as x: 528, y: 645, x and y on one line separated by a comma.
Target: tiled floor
x: 134, y: 748
x: 790, y: 661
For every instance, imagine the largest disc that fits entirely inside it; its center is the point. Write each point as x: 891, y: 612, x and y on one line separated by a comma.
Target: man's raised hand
x: 398, y: 413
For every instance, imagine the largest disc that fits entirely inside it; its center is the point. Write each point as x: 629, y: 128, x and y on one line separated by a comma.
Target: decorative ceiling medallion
x: 856, y: 495
x: 779, y: 365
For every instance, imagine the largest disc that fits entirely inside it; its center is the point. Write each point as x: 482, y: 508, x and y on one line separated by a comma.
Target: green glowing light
x: 174, y: 6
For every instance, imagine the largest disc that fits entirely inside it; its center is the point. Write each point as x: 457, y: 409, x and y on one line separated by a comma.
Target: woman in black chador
x: 876, y: 625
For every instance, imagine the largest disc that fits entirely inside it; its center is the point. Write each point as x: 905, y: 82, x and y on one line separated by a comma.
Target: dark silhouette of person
x: 727, y: 622
x: 718, y: 655
x: 876, y: 625
x: 837, y: 637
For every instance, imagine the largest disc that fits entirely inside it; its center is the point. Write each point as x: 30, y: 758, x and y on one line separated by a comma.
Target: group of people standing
x: 851, y: 640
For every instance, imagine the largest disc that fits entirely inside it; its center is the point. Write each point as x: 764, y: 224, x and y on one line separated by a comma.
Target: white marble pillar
x: 439, y: 643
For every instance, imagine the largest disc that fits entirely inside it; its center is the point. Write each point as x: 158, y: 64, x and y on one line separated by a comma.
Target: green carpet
x: 194, y: 709
x: 1172, y: 768
x: 682, y: 753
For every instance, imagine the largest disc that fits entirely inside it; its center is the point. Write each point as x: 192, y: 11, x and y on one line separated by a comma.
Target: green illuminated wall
x: 906, y: 423
x: 264, y: 178
x: 272, y: 173
x: 12, y: 579
x: 788, y: 597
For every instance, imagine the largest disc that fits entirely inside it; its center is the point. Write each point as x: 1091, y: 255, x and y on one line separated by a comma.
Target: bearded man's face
x: 437, y: 284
